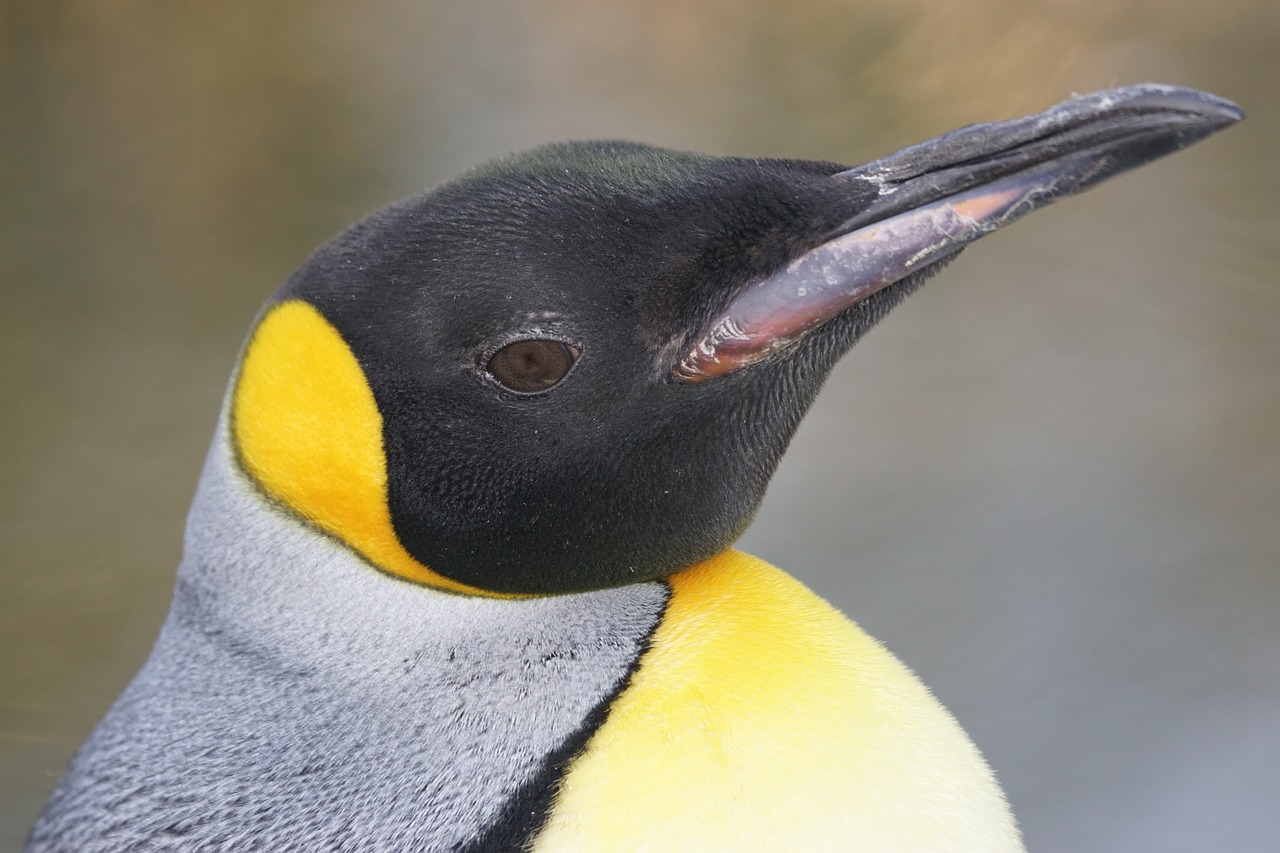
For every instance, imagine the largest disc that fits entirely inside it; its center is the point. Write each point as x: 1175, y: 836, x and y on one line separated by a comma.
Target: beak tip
x: 1213, y: 109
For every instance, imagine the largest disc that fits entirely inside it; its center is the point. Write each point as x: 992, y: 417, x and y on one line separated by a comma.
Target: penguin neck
x: 253, y: 569
x: 292, y: 666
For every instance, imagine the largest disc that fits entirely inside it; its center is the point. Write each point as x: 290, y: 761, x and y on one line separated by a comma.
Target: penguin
x: 459, y: 575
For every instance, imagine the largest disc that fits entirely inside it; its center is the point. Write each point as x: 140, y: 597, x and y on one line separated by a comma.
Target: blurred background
x: 1050, y: 482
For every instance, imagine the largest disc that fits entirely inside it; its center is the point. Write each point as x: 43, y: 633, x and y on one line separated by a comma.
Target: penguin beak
x: 933, y: 199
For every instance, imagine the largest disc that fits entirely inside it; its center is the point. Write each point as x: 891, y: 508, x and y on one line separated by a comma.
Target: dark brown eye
x: 533, y: 365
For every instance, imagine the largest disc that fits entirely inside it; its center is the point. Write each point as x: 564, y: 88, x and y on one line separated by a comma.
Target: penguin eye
x: 531, y: 366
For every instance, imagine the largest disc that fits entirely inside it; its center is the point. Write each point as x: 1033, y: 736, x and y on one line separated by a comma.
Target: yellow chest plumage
x: 762, y: 719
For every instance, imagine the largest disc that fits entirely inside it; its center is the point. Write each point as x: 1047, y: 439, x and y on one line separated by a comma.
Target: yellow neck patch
x: 762, y: 719
x: 307, y: 429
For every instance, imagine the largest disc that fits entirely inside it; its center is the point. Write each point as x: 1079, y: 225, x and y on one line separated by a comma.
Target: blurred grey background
x: 1050, y: 482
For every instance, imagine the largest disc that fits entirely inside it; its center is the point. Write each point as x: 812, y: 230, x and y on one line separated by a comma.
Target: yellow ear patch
x: 308, y: 431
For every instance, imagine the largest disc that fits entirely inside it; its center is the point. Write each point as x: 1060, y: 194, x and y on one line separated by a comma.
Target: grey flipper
x: 299, y: 699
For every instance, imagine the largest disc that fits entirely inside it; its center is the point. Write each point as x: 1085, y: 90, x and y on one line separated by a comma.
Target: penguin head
x: 579, y: 367
x: 519, y: 331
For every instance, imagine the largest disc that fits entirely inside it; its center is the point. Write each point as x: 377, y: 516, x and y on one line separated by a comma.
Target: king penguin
x: 459, y: 570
